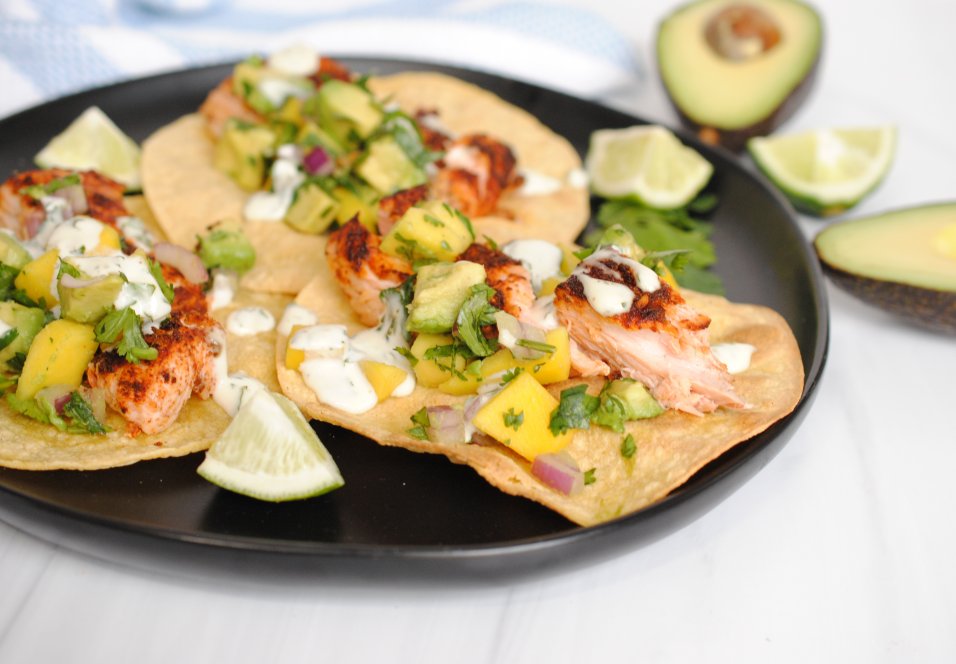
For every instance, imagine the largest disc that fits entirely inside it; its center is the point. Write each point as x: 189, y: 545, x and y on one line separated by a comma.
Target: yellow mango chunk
x: 548, y: 286
x: 293, y: 356
x: 568, y: 260
x: 519, y: 416
x: 667, y: 276
x: 500, y: 361
x: 556, y: 366
x: 109, y: 242
x: 431, y: 373
x: 36, y: 277
x: 383, y: 377
x: 59, y: 355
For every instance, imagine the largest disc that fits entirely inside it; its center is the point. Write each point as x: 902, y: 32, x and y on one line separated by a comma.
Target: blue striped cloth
x: 49, y: 48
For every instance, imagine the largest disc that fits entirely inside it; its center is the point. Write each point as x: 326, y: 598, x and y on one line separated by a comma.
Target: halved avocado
x: 734, y: 69
x: 903, y: 261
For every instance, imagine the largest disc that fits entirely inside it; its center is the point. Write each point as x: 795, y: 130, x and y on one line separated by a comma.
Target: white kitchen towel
x: 49, y: 48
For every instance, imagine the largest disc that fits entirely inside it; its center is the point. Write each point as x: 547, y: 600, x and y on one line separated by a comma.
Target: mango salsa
x: 293, y: 356
x: 383, y: 377
x: 519, y: 416
x: 59, y: 355
x: 546, y: 370
x: 36, y: 278
x: 430, y: 373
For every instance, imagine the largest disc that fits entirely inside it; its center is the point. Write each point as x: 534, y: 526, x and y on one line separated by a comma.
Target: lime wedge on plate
x: 647, y: 162
x: 270, y: 452
x: 827, y: 171
x: 93, y: 142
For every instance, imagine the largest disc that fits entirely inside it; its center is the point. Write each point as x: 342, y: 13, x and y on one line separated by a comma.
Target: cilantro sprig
x: 123, y: 327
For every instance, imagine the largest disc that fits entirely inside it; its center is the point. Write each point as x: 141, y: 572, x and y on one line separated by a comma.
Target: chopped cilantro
x: 8, y: 337
x: 157, y: 271
x: 510, y: 375
x: 476, y: 312
x: 589, y: 477
x: 67, y: 268
x: 15, y: 363
x: 124, y: 328
x: 513, y: 420
x: 628, y: 446
x: 38, y: 191
x: 574, y: 410
x: 612, y: 411
x: 421, y: 422
x: 80, y: 412
x: 540, y: 346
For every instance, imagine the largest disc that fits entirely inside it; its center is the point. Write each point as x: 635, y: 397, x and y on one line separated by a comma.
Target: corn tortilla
x: 670, y: 448
x: 26, y: 444
x: 187, y: 194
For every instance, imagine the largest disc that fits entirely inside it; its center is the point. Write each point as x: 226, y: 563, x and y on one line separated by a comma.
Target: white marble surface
x: 840, y: 550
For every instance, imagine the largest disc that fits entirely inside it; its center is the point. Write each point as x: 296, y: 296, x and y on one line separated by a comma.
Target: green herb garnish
x: 628, y: 446
x: 513, y: 420
x: 476, y: 312
x: 124, y: 328
x: 422, y: 423
x: 574, y: 410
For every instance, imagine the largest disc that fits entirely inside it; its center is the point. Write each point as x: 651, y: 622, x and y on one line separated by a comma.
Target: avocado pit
x: 741, y: 32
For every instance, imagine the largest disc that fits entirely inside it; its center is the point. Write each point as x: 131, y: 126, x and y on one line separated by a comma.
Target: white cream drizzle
x: 735, y: 356
x: 249, y: 321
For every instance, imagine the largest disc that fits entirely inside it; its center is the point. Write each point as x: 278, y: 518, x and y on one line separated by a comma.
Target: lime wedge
x: 647, y: 162
x: 827, y: 171
x: 93, y: 142
x: 270, y: 452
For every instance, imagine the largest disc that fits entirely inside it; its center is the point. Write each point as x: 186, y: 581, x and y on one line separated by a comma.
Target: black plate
x: 404, y: 511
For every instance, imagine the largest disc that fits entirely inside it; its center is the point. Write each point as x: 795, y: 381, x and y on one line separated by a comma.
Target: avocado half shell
x: 902, y: 261
x: 735, y: 69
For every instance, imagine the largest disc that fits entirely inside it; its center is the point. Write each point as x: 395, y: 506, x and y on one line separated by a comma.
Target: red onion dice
x: 74, y: 196
x: 447, y: 424
x: 318, y: 162
x: 183, y: 260
x: 559, y: 471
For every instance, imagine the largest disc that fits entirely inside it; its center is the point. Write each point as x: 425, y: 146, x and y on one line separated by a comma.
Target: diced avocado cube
x: 344, y: 108
x: 241, y: 153
x: 637, y: 400
x: 440, y: 290
x: 311, y: 135
x: 12, y: 252
x: 618, y: 236
x: 227, y: 248
x: 433, y: 231
x: 27, y: 321
x: 313, y: 209
x: 90, y: 299
x: 388, y: 168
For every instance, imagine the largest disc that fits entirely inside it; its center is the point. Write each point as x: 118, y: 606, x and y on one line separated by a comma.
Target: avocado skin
x: 926, y: 307
x: 735, y: 140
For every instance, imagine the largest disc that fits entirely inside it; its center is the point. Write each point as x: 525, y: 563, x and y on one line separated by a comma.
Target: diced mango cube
x: 293, y: 356
x: 383, y: 377
x: 568, y: 260
x: 433, y: 372
x: 109, y: 242
x: 36, y: 278
x: 519, y: 417
x: 556, y: 366
x: 500, y: 361
x: 59, y: 355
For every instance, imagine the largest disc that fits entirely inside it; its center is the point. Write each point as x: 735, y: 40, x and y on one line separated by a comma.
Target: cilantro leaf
x: 157, y: 271
x: 628, y: 446
x: 476, y: 312
x: 81, y: 414
x: 574, y: 410
x: 421, y: 422
x: 124, y: 328
x: 512, y: 419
